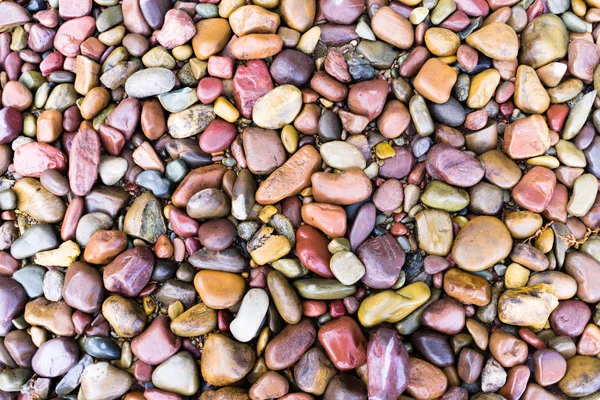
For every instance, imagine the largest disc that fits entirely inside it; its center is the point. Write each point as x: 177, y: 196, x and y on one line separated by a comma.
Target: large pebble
x: 150, y: 82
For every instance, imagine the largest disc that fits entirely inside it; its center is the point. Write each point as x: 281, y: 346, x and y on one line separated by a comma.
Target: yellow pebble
x: 224, y: 109
x: 266, y: 213
x: 306, y: 192
x: 262, y: 341
x: 418, y: 15
x: 289, y: 137
x: 545, y: 241
x: 448, y: 59
x: 579, y: 7
x: 326, y: 103
x: 460, y: 221
x: 544, y: 161
x: 183, y: 52
x: 384, y: 150
x: 175, y: 310
x: 308, y: 41
x: 149, y: 305
x: 516, y: 276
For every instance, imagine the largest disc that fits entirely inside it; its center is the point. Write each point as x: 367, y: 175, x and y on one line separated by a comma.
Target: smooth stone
x: 583, y: 196
x: 442, y: 196
x: 225, y: 361
x: 342, y: 155
x: 434, y: 230
x: 150, y: 82
x: 102, y: 348
x: 103, y: 381
x: 38, y: 202
x: 278, y: 107
x: 584, y: 269
x: 55, y: 357
x: 90, y: 224
x: 289, y: 179
x: 157, y: 343
x: 323, y: 289
x: 390, y: 306
x: 250, y: 316
x: 543, y: 40
x: 112, y: 169
x: 127, y: 318
x: 452, y: 166
x: 295, y: 339
x: 582, y: 377
x: 425, y: 379
x: 196, y: 321
x: 31, y: 278
x: 383, y: 259
x: 526, y: 137
x: 37, y: 238
x: 387, y: 364
x: 190, y: 121
x: 472, y: 249
x: 178, y: 374
x: 144, y: 219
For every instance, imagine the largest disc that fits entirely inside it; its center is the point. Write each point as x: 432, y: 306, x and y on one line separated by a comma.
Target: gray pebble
x: 31, y: 278
x: 53, y: 285
x: 38, y: 238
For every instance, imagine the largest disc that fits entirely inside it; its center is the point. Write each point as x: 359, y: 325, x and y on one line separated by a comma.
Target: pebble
x: 102, y: 380
x: 250, y: 316
x: 178, y: 374
x: 225, y: 361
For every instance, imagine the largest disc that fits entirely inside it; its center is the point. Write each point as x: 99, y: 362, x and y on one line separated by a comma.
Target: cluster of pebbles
x: 299, y: 199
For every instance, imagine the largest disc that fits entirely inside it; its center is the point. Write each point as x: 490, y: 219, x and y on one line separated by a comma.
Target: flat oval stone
x: 196, y: 321
x: 473, y: 249
x: 584, y: 269
x: 32, y: 159
x: 102, y: 347
x: 383, y: 259
x: 295, y: 339
x: 311, y: 247
x: 84, y: 160
x: 292, y: 67
x: 225, y: 361
x: 534, y: 191
x: 55, y: 357
x: 425, y: 379
x: 102, y: 380
x: 582, y: 377
x: 150, y: 82
x: 12, y: 303
x: 453, y: 166
x: 278, y: 107
x: 388, y: 364
x: 219, y: 290
x: 82, y: 288
x: 250, y: 316
x: 127, y: 318
x: 433, y: 347
x: 289, y: 179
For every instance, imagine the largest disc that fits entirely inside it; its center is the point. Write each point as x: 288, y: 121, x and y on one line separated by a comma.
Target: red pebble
x: 209, y: 89
x: 337, y: 309
x: 224, y: 318
x: 142, y: 372
x: 220, y: 67
x: 531, y: 338
x: 313, y: 308
x: 556, y: 114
